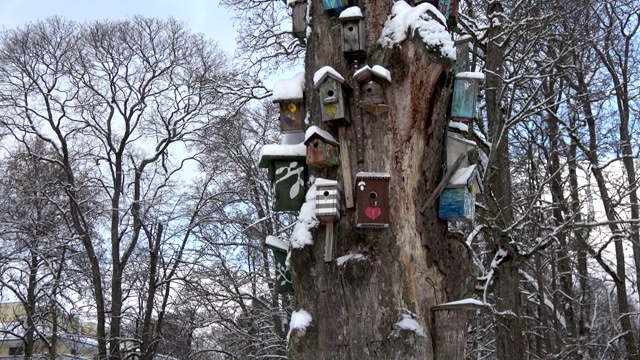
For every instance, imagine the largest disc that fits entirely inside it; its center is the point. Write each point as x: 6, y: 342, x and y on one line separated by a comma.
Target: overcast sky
x: 200, y: 15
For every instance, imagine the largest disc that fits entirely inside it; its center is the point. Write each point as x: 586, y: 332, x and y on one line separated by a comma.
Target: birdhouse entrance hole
x: 373, y: 195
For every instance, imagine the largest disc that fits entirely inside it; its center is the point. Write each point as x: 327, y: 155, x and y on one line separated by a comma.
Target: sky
x: 203, y: 16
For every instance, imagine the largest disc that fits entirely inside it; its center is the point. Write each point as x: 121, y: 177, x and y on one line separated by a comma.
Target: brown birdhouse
x: 372, y: 199
x: 289, y: 94
x: 299, y: 14
x: 353, y: 39
x: 322, y: 148
x: 372, y: 83
x: 332, y: 89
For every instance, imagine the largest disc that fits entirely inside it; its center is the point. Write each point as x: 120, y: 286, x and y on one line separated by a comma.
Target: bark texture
x: 410, y: 266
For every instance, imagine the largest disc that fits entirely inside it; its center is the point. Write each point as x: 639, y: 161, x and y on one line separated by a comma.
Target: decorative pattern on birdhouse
x: 372, y: 199
x: 336, y: 6
x: 322, y: 148
x: 289, y: 93
x: 465, y: 96
x: 332, y: 89
x: 458, y: 199
x: 372, y: 82
x: 287, y: 172
x: 283, y: 283
x: 299, y: 14
x: 353, y: 39
x: 327, y: 200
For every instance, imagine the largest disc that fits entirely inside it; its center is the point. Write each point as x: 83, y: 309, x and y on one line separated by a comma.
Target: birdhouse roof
x: 276, y: 243
x: 351, y: 13
x: 325, y: 182
x: 323, y: 73
x: 465, y: 177
x: 458, y: 125
x: 293, y: 2
x: 366, y: 73
x: 372, y: 175
x: 314, y: 131
x: 459, y: 138
x: 289, y: 89
x: 272, y: 152
x: 471, y: 75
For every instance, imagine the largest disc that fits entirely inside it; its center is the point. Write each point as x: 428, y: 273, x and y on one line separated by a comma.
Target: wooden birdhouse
x: 353, y: 39
x: 299, y: 19
x: 322, y: 148
x: 335, y: 6
x: 372, y: 84
x: 289, y: 94
x: 449, y: 8
x: 327, y: 200
x: 372, y: 199
x: 283, y: 284
x: 458, y: 199
x: 465, y: 96
x: 332, y: 89
x: 287, y: 173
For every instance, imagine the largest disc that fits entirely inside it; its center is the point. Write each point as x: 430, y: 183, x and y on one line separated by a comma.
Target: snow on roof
x: 276, y: 242
x: 300, y: 320
x: 408, y: 323
x: 458, y: 125
x: 458, y: 137
x: 301, y: 235
x: 365, y: 73
x: 323, y: 72
x: 289, y: 89
x: 464, y: 302
x: 325, y: 182
x: 291, y: 2
x: 343, y: 259
x: 352, y: 12
x: 470, y: 75
x: 373, y: 175
x: 279, y: 151
x: 461, y: 176
x: 433, y: 32
x: 314, y: 130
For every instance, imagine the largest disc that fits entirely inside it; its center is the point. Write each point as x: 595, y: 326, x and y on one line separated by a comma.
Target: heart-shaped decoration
x: 372, y: 212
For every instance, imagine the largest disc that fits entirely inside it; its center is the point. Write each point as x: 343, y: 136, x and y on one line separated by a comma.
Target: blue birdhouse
x: 458, y: 199
x: 465, y: 95
x: 335, y: 5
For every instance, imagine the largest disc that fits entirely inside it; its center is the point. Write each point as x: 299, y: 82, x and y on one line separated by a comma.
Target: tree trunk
x: 409, y: 266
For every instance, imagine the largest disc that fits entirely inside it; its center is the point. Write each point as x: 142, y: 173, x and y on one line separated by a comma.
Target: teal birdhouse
x: 465, y: 95
x: 283, y: 283
x: 287, y: 173
x: 336, y: 6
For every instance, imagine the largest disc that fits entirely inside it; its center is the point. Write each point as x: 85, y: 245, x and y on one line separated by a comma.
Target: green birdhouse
x: 283, y: 283
x: 287, y: 173
x: 332, y: 89
x: 465, y: 95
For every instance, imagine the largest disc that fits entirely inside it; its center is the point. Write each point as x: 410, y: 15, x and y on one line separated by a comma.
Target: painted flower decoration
x: 292, y: 107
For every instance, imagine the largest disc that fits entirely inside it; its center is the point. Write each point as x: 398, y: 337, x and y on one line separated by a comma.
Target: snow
x: 404, y: 17
x: 277, y: 243
x: 325, y: 71
x: 300, y: 320
x: 323, y: 133
x: 343, y: 259
x: 301, y: 235
x: 375, y: 175
x: 470, y: 75
x: 459, y: 125
x: 289, y: 89
x: 291, y: 2
x: 468, y: 301
x: 461, y: 176
x: 280, y: 150
x: 351, y: 12
x: 325, y: 182
x: 377, y: 70
x: 408, y: 323
x: 382, y: 72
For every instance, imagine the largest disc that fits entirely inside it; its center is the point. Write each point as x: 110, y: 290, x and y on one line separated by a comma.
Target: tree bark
x: 410, y: 266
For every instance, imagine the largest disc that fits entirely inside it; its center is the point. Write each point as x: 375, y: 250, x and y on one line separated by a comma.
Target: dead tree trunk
x: 378, y: 306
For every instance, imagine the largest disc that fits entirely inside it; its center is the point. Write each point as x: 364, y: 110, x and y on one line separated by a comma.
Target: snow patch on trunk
x: 301, y: 235
x: 408, y: 322
x: 300, y: 320
x: 343, y: 259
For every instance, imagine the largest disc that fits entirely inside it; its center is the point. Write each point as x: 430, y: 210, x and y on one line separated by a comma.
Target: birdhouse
x: 287, y: 173
x: 372, y: 199
x: 336, y: 6
x: 283, y: 284
x: 353, y: 39
x: 322, y: 148
x: 327, y: 200
x: 332, y: 89
x: 299, y: 14
x: 457, y: 145
x: 458, y: 199
x: 372, y: 82
x: 289, y: 94
x: 465, y: 95
x: 449, y: 8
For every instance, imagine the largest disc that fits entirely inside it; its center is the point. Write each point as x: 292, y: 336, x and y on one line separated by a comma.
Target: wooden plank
x: 443, y: 183
x: 328, y: 241
x: 345, y: 163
